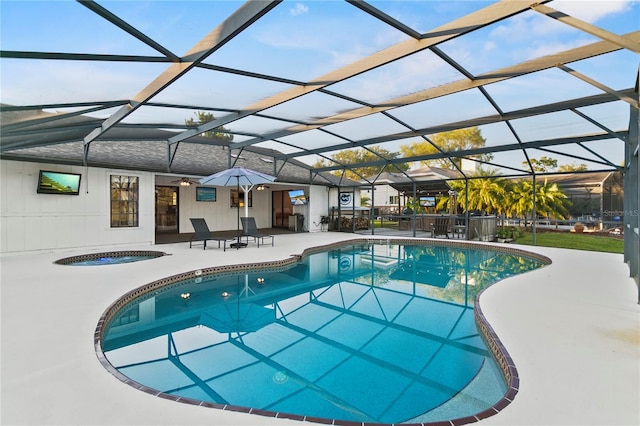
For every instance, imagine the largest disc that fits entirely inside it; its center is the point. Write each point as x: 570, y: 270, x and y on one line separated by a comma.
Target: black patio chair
x: 203, y: 234
x: 249, y: 229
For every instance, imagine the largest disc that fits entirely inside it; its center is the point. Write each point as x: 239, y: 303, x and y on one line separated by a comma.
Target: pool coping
x: 505, y: 362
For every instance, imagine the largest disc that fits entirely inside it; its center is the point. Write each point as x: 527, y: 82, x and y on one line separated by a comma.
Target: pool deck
x: 572, y: 329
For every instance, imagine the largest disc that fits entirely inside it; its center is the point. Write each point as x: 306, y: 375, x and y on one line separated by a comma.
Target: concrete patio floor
x: 572, y: 329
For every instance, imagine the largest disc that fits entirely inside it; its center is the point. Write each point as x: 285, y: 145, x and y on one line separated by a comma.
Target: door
x: 167, y: 209
x: 282, y: 208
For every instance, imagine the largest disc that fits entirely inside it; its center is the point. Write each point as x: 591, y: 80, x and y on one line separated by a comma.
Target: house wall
x: 41, y: 222
x: 385, y: 198
x: 318, y: 207
x: 35, y: 222
x: 219, y: 215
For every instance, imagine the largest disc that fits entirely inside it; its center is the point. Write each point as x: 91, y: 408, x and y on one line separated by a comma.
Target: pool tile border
x: 505, y: 362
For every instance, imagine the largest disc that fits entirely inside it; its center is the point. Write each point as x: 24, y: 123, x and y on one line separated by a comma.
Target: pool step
x: 479, y: 394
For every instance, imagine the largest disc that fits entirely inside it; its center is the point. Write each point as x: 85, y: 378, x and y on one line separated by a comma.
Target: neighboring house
x: 594, y: 196
x: 393, y: 189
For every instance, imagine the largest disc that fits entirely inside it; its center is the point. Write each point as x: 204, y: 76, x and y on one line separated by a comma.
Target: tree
x: 203, y: 117
x: 487, y: 193
x: 550, y: 200
x: 573, y: 167
x: 543, y: 165
x: 454, y: 140
x: 362, y: 155
x: 549, y: 165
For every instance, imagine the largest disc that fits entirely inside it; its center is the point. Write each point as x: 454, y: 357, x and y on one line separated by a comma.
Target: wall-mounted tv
x: 428, y: 201
x: 297, y: 197
x: 205, y: 194
x: 58, y: 183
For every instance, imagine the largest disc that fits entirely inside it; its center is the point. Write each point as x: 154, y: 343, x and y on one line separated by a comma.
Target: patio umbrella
x: 237, y: 317
x: 241, y: 178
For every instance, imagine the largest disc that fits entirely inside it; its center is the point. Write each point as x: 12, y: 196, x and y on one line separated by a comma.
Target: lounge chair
x: 202, y: 233
x: 249, y: 229
x: 440, y: 227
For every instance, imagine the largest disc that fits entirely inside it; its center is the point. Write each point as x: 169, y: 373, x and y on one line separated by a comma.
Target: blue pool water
x: 369, y: 333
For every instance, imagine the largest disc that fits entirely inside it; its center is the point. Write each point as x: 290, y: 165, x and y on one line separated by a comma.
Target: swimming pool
x: 379, y: 333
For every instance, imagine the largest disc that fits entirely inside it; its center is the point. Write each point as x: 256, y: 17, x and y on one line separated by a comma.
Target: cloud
x: 298, y: 9
x: 489, y: 46
x: 592, y: 11
x: 533, y: 24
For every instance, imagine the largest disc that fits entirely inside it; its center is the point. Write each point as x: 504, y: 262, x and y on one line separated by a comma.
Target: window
x: 124, y: 201
x: 129, y: 317
x: 234, y: 198
x: 393, y: 199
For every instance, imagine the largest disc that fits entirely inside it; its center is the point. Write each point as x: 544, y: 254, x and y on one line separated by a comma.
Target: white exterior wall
x: 318, y: 207
x: 382, y: 195
x: 42, y: 222
x: 219, y: 215
x: 34, y: 222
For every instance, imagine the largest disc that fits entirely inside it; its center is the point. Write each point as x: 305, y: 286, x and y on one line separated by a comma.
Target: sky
x: 303, y: 40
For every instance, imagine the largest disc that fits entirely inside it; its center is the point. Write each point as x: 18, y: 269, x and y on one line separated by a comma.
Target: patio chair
x: 440, y: 227
x: 249, y: 229
x: 202, y: 233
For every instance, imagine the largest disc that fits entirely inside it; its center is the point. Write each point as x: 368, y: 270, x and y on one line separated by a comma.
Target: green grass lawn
x: 573, y: 241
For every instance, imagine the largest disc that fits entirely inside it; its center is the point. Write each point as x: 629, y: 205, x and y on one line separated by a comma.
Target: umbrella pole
x: 238, y: 219
x: 238, y: 242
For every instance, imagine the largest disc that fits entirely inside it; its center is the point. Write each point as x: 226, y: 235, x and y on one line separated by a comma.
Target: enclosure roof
x: 290, y: 84
x: 425, y: 180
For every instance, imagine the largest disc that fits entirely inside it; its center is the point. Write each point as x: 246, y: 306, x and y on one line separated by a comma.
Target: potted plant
x: 578, y: 227
x: 502, y: 235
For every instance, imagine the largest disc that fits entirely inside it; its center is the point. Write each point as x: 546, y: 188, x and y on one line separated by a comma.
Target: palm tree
x: 486, y: 193
x: 550, y: 200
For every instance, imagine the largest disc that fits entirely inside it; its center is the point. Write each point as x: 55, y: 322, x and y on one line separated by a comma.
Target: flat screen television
x: 58, y: 183
x: 297, y: 197
x: 428, y: 201
x: 205, y: 194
